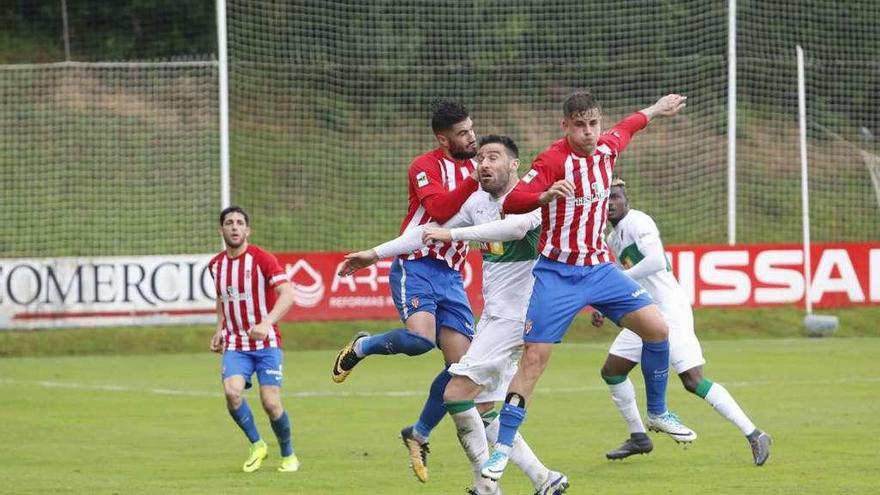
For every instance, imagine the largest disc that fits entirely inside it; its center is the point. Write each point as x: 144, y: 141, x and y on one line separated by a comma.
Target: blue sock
x: 398, y: 341
x: 510, y: 419
x: 655, y: 369
x: 434, y: 409
x: 281, y: 427
x: 245, y: 420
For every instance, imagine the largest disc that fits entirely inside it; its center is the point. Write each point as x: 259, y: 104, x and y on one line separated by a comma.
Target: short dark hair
x: 580, y: 101
x: 619, y: 182
x: 446, y: 113
x: 234, y: 209
x: 502, y: 140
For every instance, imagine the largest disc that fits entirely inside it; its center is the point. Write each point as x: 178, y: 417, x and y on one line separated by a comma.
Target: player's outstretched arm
x: 510, y: 228
x: 666, y: 106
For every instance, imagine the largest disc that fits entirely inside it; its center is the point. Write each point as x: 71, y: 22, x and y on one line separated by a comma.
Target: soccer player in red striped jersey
x: 253, y: 293
x: 570, y: 181
x: 426, y: 285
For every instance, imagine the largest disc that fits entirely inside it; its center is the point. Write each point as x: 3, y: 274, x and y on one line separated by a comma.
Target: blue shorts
x: 562, y: 291
x: 266, y: 362
x: 428, y: 284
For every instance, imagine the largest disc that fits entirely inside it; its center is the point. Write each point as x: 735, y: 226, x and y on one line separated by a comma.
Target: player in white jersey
x: 509, y: 252
x: 635, y: 242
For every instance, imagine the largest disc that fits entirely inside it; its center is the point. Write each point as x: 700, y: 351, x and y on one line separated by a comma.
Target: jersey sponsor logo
x: 422, y: 179
x: 597, y: 194
x: 531, y: 174
x: 233, y: 295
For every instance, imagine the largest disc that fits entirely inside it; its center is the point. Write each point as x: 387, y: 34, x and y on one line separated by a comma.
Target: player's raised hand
x: 436, y: 234
x: 560, y: 189
x: 260, y: 331
x: 356, y: 261
x: 666, y: 106
x: 598, y: 319
x: 217, y: 341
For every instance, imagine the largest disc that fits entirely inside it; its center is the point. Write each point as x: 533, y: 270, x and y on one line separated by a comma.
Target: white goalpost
x: 815, y: 325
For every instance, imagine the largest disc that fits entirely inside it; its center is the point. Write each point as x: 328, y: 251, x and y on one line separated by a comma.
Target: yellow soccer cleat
x: 418, y: 453
x: 289, y: 464
x: 346, y: 359
x: 259, y: 451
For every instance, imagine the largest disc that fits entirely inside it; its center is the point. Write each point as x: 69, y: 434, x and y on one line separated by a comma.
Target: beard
x: 232, y: 244
x: 462, y: 153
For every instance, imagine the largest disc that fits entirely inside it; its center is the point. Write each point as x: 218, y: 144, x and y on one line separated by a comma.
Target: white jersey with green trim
x: 628, y: 241
x: 507, y: 265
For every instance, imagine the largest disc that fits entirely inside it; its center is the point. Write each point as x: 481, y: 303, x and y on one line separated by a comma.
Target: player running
x: 635, y: 242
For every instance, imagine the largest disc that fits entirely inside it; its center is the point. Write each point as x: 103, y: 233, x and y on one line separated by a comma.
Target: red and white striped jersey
x: 438, y: 186
x: 245, y: 285
x: 572, y: 228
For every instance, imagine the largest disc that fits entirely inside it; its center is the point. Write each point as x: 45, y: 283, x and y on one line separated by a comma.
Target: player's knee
x: 233, y: 396
x: 273, y: 409
x: 690, y: 381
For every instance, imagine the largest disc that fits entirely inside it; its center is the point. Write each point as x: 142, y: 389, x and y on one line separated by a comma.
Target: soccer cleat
x: 289, y: 464
x: 495, y: 491
x: 259, y: 451
x: 760, y: 443
x: 670, y: 424
x: 418, y: 453
x: 637, y: 443
x: 346, y: 359
x: 556, y: 484
x: 494, y: 466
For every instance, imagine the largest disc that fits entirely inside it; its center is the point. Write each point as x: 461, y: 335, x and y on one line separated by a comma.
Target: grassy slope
x: 156, y: 424
x: 711, y: 324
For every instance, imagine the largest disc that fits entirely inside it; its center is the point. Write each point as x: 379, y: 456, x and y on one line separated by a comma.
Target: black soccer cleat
x: 346, y: 359
x: 637, y: 443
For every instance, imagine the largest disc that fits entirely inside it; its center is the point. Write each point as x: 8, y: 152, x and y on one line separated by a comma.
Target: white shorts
x: 491, y: 361
x: 684, y: 348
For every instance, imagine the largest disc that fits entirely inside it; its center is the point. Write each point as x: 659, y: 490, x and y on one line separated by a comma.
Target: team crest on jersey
x: 531, y: 174
x: 528, y: 327
x: 414, y: 302
x: 422, y: 179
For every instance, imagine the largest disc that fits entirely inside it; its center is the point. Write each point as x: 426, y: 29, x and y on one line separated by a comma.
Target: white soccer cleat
x: 555, y: 484
x: 670, y: 424
x: 494, y: 466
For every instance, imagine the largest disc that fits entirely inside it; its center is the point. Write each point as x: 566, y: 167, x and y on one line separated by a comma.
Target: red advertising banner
x: 844, y: 274
x: 321, y: 294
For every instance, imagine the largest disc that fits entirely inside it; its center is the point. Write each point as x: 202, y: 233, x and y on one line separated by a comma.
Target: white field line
x: 397, y: 393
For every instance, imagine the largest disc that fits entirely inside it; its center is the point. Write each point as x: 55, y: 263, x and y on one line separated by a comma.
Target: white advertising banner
x: 75, y: 292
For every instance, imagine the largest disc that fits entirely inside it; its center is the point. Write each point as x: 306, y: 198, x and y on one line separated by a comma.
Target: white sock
x: 472, y: 436
x: 624, y: 396
x: 726, y: 406
x: 521, y: 455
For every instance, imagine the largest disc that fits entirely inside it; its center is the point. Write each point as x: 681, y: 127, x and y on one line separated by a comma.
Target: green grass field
x: 157, y: 423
